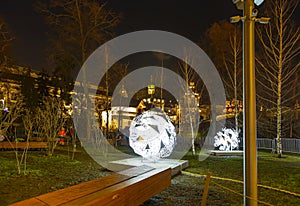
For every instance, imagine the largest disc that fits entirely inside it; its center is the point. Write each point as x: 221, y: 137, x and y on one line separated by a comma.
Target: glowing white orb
x: 227, y: 139
x: 152, y: 135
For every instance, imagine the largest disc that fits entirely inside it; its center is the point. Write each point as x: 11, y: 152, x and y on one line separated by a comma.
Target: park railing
x: 291, y: 145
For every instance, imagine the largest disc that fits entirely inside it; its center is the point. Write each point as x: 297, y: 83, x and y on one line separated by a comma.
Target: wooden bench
x: 23, y: 145
x: 129, y: 187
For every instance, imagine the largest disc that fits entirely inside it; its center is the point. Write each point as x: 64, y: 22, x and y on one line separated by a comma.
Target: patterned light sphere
x: 152, y: 135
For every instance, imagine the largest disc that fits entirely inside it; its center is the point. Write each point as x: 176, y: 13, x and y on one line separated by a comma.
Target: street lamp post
x: 249, y: 96
x: 250, y: 153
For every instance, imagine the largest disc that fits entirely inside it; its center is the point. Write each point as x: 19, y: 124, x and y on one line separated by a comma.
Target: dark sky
x: 189, y: 18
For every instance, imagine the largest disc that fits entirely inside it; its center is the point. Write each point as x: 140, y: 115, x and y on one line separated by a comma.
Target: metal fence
x: 288, y: 144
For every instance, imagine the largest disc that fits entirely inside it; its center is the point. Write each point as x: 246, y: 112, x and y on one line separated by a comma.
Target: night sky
x: 188, y: 18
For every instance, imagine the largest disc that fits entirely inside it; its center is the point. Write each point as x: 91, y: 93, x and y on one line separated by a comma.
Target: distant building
x: 12, y: 78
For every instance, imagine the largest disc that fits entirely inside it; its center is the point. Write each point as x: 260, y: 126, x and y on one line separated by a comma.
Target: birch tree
x: 278, y: 62
x: 225, y: 49
x: 233, y: 79
x: 189, y: 118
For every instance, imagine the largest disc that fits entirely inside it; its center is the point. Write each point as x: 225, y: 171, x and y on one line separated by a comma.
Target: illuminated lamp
x: 151, y: 89
x: 152, y: 135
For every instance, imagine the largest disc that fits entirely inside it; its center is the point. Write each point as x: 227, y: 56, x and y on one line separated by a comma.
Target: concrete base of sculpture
x: 226, y: 153
x: 175, y: 165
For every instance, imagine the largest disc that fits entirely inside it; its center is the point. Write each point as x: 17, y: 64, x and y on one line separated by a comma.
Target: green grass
x: 45, y: 174
x: 282, y: 173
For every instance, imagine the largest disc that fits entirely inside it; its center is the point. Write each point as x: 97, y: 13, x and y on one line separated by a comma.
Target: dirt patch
x: 187, y: 191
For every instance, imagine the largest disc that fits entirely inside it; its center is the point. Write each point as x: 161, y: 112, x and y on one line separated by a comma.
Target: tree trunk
x: 279, y: 146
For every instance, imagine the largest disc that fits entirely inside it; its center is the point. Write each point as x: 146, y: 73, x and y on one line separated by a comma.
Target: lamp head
x: 258, y: 2
x: 239, y: 4
x: 235, y: 19
x: 263, y: 20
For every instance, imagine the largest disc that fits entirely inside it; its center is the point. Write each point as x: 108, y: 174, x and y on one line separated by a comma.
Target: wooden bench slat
x: 150, y: 187
x: 30, y: 202
x: 135, y: 171
x: 76, y: 191
x: 65, y: 195
x: 133, y: 191
x: 23, y: 145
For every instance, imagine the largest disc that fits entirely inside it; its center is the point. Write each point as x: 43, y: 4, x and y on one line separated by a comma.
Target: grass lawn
x: 282, y: 173
x: 46, y: 174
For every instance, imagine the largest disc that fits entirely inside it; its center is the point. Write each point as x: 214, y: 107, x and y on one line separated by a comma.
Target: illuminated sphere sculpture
x: 227, y: 139
x: 152, y: 135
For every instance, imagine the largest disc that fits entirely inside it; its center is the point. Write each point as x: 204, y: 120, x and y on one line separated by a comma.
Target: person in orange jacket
x: 62, y: 134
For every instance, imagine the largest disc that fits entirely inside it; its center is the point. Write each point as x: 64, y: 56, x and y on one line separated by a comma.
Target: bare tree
x: 28, y: 118
x: 279, y: 61
x: 5, y: 41
x: 121, y: 72
x: 111, y: 79
x: 225, y: 49
x: 233, y: 79
x: 79, y: 27
x: 7, y: 120
x: 49, y: 121
x: 190, y: 100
